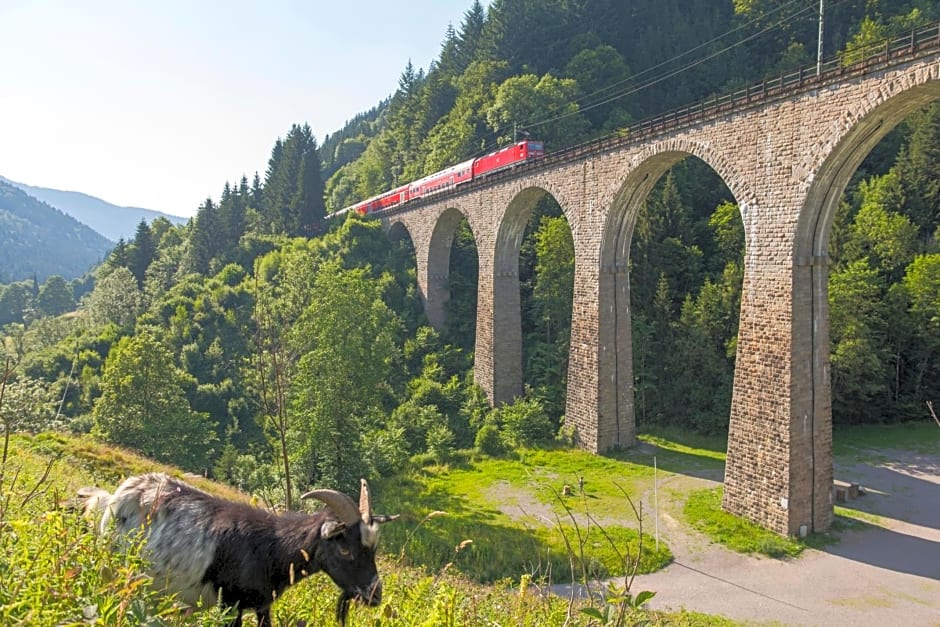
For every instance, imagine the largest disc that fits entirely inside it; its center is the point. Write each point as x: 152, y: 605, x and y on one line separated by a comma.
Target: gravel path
x: 886, y: 573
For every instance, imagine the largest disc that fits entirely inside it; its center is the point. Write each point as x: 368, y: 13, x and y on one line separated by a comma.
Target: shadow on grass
x: 678, y: 452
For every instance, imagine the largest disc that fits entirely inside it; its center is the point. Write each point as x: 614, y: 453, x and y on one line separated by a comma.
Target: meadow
x: 479, y: 542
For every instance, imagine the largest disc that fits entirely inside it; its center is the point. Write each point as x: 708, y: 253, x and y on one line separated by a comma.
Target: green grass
x: 864, y: 440
x: 703, y: 512
x: 519, y: 524
x: 55, y: 571
x: 516, y: 519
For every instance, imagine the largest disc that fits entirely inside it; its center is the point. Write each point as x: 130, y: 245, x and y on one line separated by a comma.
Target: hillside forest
x: 272, y: 347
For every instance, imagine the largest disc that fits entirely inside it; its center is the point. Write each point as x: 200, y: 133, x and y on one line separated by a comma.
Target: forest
x: 273, y: 347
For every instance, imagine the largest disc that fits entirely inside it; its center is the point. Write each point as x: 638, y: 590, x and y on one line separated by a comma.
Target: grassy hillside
x: 54, y: 571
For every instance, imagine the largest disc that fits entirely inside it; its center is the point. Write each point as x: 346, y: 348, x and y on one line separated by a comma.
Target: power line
x: 807, y: 6
x: 751, y: 22
x: 672, y: 73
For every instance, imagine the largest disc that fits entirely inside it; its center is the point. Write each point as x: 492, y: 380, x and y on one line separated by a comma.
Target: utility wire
x: 808, y: 5
x: 691, y: 50
x: 672, y: 73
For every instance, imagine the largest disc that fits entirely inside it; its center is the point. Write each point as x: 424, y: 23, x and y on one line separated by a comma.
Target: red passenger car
x: 439, y: 181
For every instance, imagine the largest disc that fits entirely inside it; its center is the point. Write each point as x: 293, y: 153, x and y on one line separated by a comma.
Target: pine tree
x: 471, y: 29
x: 204, y: 241
x: 141, y: 252
x: 293, y: 188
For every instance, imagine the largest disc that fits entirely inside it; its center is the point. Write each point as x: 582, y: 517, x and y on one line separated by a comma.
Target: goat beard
x: 342, y: 607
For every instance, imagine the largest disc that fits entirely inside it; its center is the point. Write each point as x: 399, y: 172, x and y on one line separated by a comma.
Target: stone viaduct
x: 786, y: 151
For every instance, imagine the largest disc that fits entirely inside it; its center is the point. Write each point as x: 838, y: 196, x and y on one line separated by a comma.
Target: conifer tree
x: 204, y: 241
x: 141, y: 252
x: 293, y: 188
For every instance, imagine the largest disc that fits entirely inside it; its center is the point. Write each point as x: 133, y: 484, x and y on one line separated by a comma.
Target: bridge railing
x: 852, y: 63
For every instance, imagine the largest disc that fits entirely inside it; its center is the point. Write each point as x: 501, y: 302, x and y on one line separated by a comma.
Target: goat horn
x: 343, y: 506
x: 365, y: 502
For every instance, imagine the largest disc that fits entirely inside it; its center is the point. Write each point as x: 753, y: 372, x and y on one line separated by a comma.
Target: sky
x: 157, y: 103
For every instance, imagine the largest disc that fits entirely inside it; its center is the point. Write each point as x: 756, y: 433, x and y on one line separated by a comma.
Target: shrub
x: 488, y: 441
x: 525, y: 423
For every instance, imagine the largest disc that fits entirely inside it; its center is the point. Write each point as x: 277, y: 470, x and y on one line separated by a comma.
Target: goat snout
x: 372, y: 595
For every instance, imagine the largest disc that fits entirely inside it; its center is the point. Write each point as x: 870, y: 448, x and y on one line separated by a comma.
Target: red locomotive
x: 455, y: 175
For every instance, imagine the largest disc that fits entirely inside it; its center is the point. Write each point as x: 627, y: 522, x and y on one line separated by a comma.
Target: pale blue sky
x: 157, y: 103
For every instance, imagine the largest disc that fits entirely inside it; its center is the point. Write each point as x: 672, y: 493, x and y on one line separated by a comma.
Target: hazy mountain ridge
x: 37, y: 239
x: 112, y: 221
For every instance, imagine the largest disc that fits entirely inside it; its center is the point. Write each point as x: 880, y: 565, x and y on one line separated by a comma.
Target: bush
x: 525, y: 423
x: 440, y: 443
x: 488, y: 441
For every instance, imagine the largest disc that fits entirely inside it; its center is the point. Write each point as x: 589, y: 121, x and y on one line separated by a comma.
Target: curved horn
x: 343, y: 506
x: 365, y: 502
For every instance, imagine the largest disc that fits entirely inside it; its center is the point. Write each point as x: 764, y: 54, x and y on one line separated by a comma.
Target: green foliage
x: 293, y: 187
x: 461, y: 322
x: 488, y: 441
x: 15, y: 302
x: 532, y: 101
x: 525, y: 423
x: 142, y: 405
x: 349, y: 335
x: 27, y: 405
x: 55, y: 296
x: 115, y: 299
x: 547, y: 301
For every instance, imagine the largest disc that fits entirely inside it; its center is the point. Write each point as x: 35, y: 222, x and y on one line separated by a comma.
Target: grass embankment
x: 54, y: 571
x: 520, y: 523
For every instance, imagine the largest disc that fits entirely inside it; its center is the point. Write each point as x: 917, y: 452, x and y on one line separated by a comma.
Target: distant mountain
x: 38, y: 239
x: 112, y: 221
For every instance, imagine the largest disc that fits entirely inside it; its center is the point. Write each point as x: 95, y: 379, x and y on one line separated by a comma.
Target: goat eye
x: 344, y: 551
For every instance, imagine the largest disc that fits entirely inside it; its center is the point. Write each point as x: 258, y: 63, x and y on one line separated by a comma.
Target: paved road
x: 884, y: 574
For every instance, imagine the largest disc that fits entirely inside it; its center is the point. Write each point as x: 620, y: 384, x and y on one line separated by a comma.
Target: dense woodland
x: 274, y: 348
x: 29, y: 229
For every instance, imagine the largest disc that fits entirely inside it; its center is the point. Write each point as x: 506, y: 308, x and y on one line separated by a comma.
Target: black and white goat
x: 207, y: 549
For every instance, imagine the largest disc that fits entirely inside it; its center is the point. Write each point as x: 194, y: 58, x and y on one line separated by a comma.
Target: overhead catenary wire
x: 585, y: 104
x: 685, y: 53
x: 672, y: 73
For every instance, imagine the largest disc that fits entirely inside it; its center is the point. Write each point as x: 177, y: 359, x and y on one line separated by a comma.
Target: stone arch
x: 506, y: 303
x: 615, y: 363
x: 831, y: 167
x: 398, y: 230
x: 836, y: 158
x: 437, y: 264
x: 644, y: 172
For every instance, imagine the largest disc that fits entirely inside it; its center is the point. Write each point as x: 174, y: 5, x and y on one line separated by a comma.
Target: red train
x: 455, y: 175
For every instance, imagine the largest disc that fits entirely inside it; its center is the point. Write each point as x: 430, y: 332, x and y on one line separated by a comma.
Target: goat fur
x: 206, y: 549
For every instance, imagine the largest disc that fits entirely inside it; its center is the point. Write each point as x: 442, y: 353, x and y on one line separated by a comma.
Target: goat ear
x: 332, y: 528
x: 382, y: 519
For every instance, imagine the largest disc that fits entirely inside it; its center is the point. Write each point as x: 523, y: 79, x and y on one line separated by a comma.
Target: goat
x: 207, y: 549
